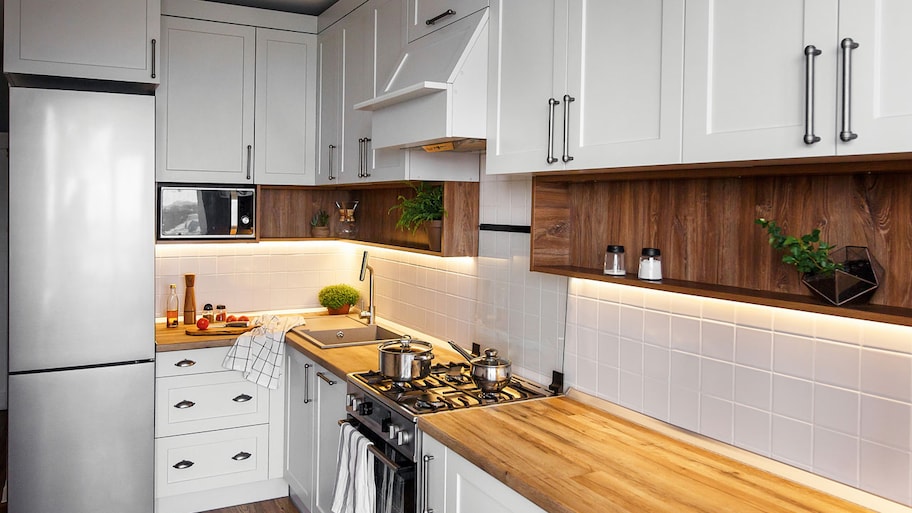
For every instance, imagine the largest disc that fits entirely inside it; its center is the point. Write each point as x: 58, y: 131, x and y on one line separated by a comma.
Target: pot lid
x: 405, y: 346
x: 491, y: 359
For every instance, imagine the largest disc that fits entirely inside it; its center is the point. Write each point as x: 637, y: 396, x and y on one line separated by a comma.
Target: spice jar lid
x: 207, y: 306
x: 612, y: 248
x: 220, y: 307
x: 651, y: 252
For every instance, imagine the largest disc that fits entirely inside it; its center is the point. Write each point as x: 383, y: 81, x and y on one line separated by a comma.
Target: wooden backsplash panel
x: 705, y: 226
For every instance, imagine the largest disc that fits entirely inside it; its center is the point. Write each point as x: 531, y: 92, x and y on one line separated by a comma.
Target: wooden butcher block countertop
x: 338, y: 360
x: 567, y: 456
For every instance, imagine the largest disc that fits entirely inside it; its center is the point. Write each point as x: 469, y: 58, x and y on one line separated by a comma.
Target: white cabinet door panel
x: 745, y: 81
x: 470, y: 490
x: 285, y: 107
x: 206, y: 102
x: 202, y: 402
x: 881, y: 103
x: 331, y: 46
x: 300, y: 429
x: 524, y: 57
x: 330, y: 400
x: 98, y: 39
x: 625, y: 70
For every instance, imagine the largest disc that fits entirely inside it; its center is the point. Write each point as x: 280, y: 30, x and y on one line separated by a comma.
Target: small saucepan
x: 405, y: 359
x: 489, y: 372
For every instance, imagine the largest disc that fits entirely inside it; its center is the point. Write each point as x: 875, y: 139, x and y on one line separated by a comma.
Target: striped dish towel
x: 260, y: 352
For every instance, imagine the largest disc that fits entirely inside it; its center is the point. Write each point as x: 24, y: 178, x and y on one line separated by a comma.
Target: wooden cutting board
x: 217, y: 330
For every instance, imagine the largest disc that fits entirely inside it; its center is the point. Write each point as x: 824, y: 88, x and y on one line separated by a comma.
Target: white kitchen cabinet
x: 359, y: 56
x: 745, y: 85
x: 95, y: 39
x: 456, y: 485
x: 315, y: 404
x: 218, y: 437
x: 577, y: 84
x: 236, y: 104
x: 205, y: 102
x: 285, y: 119
x: 426, y: 16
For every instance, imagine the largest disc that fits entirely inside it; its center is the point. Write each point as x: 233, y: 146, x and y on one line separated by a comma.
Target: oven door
x: 395, y: 475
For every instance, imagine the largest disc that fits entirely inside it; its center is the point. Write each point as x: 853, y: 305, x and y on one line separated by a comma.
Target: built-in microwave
x: 204, y: 212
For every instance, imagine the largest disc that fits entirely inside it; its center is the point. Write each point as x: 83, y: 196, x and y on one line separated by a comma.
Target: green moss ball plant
x: 338, y: 297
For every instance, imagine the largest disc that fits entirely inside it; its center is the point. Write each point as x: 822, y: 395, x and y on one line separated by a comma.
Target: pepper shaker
x: 189, y: 300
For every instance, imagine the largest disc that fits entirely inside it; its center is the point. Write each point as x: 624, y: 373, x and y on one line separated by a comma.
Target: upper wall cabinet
x: 426, y: 16
x: 95, y: 39
x: 576, y: 84
x: 781, y: 78
x: 236, y: 104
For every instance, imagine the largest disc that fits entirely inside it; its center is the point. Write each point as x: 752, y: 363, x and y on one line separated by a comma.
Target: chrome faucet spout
x: 370, y: 314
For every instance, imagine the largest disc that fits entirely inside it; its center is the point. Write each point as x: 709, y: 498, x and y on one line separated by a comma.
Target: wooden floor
x: 282, y: 505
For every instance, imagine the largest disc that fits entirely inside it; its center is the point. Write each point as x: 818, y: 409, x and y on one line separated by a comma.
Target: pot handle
x: 424, y: 356
x: 465, y: 354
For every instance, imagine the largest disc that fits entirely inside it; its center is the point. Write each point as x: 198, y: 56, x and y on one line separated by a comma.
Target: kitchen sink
x: 327, y: 332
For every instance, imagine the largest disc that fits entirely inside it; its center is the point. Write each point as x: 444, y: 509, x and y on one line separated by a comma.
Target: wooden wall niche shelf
x: 285, y: 213
x: 710, y: 244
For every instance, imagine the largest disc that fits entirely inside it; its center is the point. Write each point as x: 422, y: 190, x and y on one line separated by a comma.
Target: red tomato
x: 231, y: 318
x: 202, y: 323
x: 243, y: 318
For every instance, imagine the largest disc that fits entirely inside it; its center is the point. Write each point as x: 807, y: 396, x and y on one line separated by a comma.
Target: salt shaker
x: 614, y: 261
x: 650, y: 265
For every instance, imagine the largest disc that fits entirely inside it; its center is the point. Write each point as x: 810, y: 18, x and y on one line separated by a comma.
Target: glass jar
x: 650, y: 265
x: 220, y: 313
x: 208, y: 313
x: 614, y: 261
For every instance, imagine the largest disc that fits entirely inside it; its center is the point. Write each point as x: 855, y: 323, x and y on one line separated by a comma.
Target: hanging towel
x: 355, y: 490
x: 260, y: 352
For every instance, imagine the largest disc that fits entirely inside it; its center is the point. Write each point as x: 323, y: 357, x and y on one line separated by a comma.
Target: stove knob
x: 365, y: 408
x: 355, y: 404
x: 403, y: 437
x: 349, y: 399
x: 393, y: 429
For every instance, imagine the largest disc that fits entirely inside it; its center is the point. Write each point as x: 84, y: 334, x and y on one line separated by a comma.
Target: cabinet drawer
x: 191, y: 361
x: 204, y: 402
x: 420, y: 11
x: 203, y: 461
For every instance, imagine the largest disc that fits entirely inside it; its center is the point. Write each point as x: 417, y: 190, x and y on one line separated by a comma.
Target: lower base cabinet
x: 452, y: 484
x: 315, y: 403
x: 218, y: 437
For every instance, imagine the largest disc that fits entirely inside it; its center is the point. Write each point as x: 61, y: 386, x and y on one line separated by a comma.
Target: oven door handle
x: 382, y: 458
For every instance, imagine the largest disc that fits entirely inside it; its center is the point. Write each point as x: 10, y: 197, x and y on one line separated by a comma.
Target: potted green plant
x: 319, y: 224
x: 841, y: 276
x: 338, y: 299
x: 425, y: 209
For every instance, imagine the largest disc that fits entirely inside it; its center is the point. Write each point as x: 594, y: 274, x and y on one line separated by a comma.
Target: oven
x: 386, y: 412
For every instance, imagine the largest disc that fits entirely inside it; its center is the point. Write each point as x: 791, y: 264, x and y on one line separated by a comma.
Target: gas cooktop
x: 448, y: 386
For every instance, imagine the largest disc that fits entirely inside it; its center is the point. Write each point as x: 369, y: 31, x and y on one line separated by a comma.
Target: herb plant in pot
x: 424, y: 209
x: 319, y: 224
x: 841, y: 276
x: 338, y: 299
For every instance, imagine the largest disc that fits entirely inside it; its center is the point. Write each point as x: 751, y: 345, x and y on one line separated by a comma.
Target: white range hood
x: 438, y: 92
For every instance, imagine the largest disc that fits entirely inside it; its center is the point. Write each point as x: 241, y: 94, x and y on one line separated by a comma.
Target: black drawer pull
x: 185, y: 363
x: 241, y: 456
x: 182, y: 464
x: 243, y: 398
x: 435, y: 19
x: 184, y: 404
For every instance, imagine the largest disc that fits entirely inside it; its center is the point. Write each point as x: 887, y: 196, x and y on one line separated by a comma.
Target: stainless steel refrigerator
x: 81, y: 301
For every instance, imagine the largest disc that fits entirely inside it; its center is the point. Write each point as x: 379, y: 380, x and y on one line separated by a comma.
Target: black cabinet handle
x: 184, y: 404
x: 435, y: 19
x: 243, y: 398
x: 182, y: 464
x: 241, y: 456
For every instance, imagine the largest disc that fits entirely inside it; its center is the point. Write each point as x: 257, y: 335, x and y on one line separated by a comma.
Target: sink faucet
x: 370, y: 313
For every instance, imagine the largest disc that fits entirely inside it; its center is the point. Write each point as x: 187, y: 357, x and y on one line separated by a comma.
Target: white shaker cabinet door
x: 205, y: 103
x: 330, y: 398
x: 526, y: 70
x: 97, y: 39
x: 331, y: 47
x: 469, y: 489
x: 625, y: 60
x: 300, y: 443
x: 744, y: 83
x: 358, y: 85
x: 285, y: 133
x: 880, y: 103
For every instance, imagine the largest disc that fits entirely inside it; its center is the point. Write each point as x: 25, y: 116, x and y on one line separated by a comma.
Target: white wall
x: 825, y: 394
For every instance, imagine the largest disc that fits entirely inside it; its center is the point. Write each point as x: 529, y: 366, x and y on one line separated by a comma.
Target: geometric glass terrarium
x: 855, y: 283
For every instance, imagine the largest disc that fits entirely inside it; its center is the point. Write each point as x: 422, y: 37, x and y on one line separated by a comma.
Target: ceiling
x: 312, y: 7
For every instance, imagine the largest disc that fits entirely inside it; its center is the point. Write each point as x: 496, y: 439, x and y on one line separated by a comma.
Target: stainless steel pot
x: 405, y: 359
x: 489, y: 372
